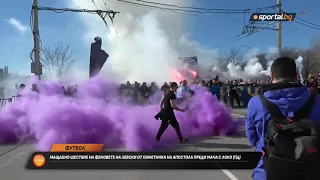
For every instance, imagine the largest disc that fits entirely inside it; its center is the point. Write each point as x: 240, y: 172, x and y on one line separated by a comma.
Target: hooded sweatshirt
x: 289, y: 101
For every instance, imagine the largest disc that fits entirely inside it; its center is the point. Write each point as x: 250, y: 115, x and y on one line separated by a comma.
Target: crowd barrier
x: 5, y: 101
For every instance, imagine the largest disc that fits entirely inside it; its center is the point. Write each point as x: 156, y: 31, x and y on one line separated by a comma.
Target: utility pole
x: 279, y: 28
x: 36, y: 64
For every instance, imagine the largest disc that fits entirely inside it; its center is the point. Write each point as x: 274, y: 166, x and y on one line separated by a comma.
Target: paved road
x: 13, y: 159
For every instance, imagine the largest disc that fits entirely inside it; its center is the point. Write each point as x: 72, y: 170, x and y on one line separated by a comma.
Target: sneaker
x: 184, y: 140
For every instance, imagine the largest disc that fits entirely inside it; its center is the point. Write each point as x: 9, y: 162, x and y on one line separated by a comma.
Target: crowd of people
x: 230, y: 91
x: 234, y: 93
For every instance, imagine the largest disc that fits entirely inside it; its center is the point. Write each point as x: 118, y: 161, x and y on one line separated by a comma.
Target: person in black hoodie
x: 136, y: 91
x: 128, y: 86
x: 164, y: 88
x: 168, y: 105
x: 153, y: 88
x: 144, y: 89
x: 234, y: 94
x: 20, y: 89
x: 121, y: 88
x: 34, y: 88
x: 70, y: 90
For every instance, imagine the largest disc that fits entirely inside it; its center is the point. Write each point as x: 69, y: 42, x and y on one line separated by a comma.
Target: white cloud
x: 17, y: 25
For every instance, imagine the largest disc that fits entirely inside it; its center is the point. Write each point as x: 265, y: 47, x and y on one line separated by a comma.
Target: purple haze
x: 96, y: 115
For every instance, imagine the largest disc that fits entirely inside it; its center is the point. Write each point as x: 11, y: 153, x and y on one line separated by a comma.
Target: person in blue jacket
x: 285, y: 92
x: 245, y: 95
x: 182, y: 90
x: 215, y: 88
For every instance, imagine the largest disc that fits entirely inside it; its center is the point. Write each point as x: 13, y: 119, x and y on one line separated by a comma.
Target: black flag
x: 97, y: 57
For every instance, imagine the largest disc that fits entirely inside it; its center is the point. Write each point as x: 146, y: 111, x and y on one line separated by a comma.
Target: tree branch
x: 57, y: 59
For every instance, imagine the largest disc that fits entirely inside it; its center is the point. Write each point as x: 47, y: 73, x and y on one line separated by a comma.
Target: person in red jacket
x: 313, y: 85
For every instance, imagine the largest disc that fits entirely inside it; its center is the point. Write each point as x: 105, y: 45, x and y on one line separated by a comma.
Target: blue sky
x: 16, y: 40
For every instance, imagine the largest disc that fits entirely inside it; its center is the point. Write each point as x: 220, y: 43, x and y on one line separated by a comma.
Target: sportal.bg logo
x: 273, y: 17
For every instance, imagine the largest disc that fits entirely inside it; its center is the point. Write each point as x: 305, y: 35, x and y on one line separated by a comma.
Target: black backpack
x: 292, y: 146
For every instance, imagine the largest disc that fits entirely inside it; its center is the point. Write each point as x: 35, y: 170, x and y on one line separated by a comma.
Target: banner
x: 190, y: 60
x: 189, y: 68
x: 143, y: 160
x: 97, y: 58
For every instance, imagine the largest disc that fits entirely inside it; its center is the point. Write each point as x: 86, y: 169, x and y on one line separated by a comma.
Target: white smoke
x: 267, y: 72
x: 253, y: 52
x: 251, y: 68
x: 145, y: 44
x: 235, y: 71
x: 299, y: 61
x: 272, y: 52
x: 145, y: 55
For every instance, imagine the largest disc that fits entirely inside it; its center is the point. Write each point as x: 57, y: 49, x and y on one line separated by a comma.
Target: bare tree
x: 292, y: 52
x: 315, y: 47
x: 316, y: 50
x: 234, y: 56
x: 310, y: 64
x: 315, y: 42
x: 57, y: 59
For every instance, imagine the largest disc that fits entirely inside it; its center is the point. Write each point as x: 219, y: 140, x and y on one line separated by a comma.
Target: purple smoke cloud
x: 97, y: 115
